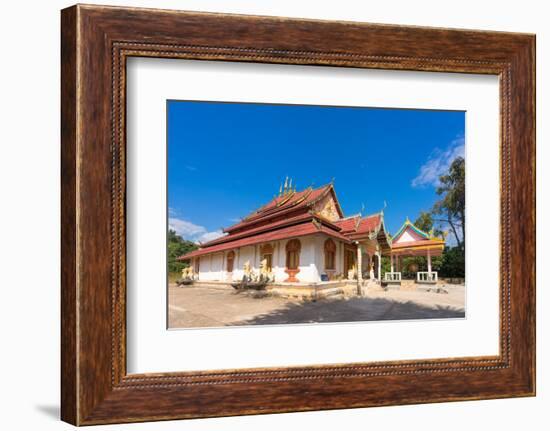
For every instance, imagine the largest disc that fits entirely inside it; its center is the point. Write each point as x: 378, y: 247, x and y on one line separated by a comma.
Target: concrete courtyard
x: 194, y: 307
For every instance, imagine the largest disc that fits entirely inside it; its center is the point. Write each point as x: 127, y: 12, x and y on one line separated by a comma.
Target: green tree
x: 177, y: 247
x: 425, y: 222
x: 450, y: 209
x: 453, y: 264
x: 448, y: 212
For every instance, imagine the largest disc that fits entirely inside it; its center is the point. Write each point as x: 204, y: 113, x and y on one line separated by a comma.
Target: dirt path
x: 192, y: 307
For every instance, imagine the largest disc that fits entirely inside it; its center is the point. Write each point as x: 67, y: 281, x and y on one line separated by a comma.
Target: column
x: 391, y: 262
x: 429, y: 261
x: 359, y: 263
x: 379, y: 266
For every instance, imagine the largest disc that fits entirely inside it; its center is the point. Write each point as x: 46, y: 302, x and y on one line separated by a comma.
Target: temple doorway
x: 349, y: 262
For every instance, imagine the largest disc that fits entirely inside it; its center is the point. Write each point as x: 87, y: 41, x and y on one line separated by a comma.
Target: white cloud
x: 438, y: 164
x: 192, y: 232
x: 209, y: 236
x: 191, y: 168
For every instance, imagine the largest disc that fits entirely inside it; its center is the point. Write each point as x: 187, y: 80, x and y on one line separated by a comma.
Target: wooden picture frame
x: 95, y: 43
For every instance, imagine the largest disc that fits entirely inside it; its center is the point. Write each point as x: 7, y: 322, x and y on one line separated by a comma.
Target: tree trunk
x: 450, y: 221
x: 463, y: 221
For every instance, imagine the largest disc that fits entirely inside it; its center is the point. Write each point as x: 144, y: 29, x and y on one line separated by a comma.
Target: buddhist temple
x: 304, y: 238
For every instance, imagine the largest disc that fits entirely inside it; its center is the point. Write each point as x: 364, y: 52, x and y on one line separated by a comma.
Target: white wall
x: 244, y: 254
x: 320, y: 255
x: 212, y: 267
x: 29, y: 173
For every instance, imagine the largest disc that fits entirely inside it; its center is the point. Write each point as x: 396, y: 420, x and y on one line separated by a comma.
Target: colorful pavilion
x: 303, y: 237
x: 411, y: 241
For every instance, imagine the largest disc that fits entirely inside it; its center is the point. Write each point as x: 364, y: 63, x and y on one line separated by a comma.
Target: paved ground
x: 192, y: 307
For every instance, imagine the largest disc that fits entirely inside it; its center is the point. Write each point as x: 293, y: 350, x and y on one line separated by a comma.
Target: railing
x: 426, y: 277
x: 392, y: 276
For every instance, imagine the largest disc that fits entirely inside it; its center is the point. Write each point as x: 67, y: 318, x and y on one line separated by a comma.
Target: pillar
x: 391, y: 262
x: 379, y: 266
x: 359, y: 263
x: 429, y: 256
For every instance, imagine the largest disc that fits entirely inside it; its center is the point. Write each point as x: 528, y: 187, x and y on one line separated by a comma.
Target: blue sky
x: 227, y: 159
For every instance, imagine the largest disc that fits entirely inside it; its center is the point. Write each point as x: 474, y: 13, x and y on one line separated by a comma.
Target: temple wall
x: 211, y: 267
x: 312, y: 261
x: 320, y: 255
x: 308, y: 269
x: 279, y: 261
x: 243, y: 255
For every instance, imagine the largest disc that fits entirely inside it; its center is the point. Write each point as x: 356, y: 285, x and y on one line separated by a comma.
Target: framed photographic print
x: 269, y: 215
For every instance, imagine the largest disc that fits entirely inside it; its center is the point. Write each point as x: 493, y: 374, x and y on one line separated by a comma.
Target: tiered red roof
x: 368, y: 225
x: 290, y: 215
x: 348, y: 224
x: 285, y: 206
x: 295, y: 231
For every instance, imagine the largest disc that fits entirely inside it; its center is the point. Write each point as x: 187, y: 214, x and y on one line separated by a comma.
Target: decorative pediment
x: 327, y: 208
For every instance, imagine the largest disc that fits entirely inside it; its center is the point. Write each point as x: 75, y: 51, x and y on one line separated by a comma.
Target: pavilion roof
x: 409, y: 224
x: 420, y: 247
x: 436, y: 242
x: 425, y: 240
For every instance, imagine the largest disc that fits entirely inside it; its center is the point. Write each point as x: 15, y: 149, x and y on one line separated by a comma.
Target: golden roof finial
x: 408, y: 221
x: 290, y: 186
x: 281, y: 189
x: 285, y: 188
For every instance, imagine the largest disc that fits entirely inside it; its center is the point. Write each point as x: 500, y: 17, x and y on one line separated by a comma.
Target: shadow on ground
x: 351, y: 310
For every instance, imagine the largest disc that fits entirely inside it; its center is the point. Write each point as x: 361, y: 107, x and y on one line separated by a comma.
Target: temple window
x: 293, y: 254
x: 330, y: 254
x: 230, y: 261
x: 266, y: 252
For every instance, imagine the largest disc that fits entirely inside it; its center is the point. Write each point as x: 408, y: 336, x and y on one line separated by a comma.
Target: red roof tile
x: 294, y: 231
x: 278, y: 206
x: 368, y: 224
x: 356, y: 225
x: 347, y: 224
x: 270, y: 226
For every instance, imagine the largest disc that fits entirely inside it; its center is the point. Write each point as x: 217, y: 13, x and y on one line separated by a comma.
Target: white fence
x: 426, y: 277
x: 392, y: 276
